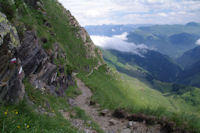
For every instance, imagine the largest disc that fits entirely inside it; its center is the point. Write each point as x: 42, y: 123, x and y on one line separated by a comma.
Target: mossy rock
x: 7, y: 28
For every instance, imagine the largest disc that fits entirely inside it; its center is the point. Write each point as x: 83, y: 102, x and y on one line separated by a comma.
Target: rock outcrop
x: 39, y: 67
x: 28, y: 59
x: 31, y: 53
x: 11, y: 72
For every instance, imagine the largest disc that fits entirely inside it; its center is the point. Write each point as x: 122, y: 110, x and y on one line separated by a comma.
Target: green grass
x: 72, y: 91
x: 23, y: 117
x: 28, y: 120
x: 121, y: 91
x: 80, y: 114
x: 143, y: 95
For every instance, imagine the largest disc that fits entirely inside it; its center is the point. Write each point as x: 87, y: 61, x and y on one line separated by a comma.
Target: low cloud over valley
x: 119, y: 43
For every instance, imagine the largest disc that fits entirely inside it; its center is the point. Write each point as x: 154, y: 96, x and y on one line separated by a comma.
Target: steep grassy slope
x: 176, y: 98
x: 121, y: 91
x: 63, y: 32
x: 116, y: 91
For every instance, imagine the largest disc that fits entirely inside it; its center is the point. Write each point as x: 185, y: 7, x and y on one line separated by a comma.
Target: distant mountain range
x: 172, y: 40
x: 189, y: 58
x: 110, y: 30
x: 190, y: 61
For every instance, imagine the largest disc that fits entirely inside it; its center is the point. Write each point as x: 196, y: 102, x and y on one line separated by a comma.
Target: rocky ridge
x: 91, y: 50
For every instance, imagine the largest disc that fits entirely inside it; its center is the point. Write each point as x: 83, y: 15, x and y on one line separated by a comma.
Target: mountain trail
x: 96, y: 68
x: 105, y: 119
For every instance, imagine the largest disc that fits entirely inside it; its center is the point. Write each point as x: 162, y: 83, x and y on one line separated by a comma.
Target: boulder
x: 110, y: 131
x: 104, y: 112
x: 130, y: 124
x: 71, y: 102
x: 126, y: 130
x: 112, y: 122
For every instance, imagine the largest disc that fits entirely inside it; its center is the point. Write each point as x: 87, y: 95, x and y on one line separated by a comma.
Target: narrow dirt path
x: 107, y: 122
x: 96, y: 68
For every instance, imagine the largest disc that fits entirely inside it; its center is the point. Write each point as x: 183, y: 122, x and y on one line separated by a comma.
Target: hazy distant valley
x: 169, y: 53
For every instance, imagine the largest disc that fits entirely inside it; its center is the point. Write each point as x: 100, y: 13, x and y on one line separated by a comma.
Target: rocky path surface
x: 105, y: 119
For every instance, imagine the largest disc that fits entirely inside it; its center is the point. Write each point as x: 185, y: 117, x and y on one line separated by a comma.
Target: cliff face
x: 39, y: 69
x: 27, y: 59
x: 11, y: 73
x: 48, y: 70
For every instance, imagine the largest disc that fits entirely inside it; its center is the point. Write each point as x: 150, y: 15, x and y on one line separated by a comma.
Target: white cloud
x: 95, y: 12
x: 198, y: 42
x: 123, y: 36
x: 118, y: 43
x: 163, y: 14
x: 113, y: 30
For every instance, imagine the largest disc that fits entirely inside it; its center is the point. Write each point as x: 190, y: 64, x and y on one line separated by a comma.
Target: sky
x: 98, y: 12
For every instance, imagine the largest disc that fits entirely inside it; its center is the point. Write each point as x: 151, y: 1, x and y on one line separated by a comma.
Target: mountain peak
x: 192, y: 24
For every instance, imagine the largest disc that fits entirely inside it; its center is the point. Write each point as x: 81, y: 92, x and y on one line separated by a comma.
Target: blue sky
x: 97, y: 12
